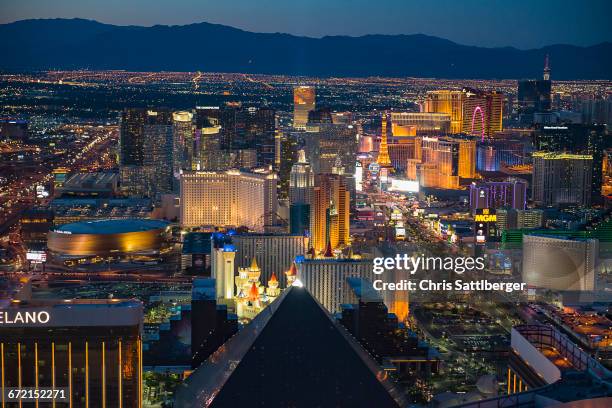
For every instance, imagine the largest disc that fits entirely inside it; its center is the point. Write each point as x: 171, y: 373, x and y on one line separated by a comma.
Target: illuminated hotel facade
x: 448, y: 102
x: 326, y: 279
x: 441, y: 162
x: 230, y: 198
x: 92, y: 349
x: 482, y: 112
x: 562, y: 178
x: 424, y: 124
x: 303, y: 102
x: 185, y: 152
x: 330, y: 212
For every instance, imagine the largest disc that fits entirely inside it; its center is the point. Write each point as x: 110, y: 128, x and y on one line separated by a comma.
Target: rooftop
x: 111, y: 226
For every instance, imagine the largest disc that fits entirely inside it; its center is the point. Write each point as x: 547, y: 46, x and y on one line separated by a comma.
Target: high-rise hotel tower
x: 229, y: 198
x: 303, y: 102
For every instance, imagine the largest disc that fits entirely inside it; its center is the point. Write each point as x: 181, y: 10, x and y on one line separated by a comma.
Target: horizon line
x: 306, y: 36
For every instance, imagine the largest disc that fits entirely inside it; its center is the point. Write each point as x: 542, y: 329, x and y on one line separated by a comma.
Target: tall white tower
x: 223, y: 271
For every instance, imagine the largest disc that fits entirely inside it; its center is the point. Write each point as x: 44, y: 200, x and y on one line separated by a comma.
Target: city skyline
x: 199, y: 215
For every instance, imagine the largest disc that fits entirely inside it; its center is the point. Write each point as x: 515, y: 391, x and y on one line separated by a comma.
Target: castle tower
x: 291, y: 274
x: 273, y: 290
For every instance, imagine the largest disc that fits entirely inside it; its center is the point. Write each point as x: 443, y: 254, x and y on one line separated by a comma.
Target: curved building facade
x: 104, y: 237
x: 559, y: 263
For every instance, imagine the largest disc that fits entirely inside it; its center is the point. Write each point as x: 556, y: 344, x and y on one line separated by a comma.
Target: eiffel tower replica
x: 383, y: 159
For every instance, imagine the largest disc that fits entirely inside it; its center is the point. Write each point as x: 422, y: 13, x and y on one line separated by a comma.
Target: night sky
x: 518, y: 23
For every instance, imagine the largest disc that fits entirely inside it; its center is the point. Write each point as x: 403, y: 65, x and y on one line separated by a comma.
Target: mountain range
x: 85, y: 44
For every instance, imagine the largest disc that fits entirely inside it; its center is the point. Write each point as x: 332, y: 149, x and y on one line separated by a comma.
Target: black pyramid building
x: 293, y: 354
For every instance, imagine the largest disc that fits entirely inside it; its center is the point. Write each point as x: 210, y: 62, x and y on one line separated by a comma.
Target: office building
x: 284, y: 354
x: 303, y: 103
x: 326, y: 279
x: 482, y: 113
x: 498, y: 194
x: 90, y: 348
x: 562, y: 179
x: 329, y: 213
x: 230, y: 198
x: 559, y: 263
x: 447, y: 102
x: 424, y: 123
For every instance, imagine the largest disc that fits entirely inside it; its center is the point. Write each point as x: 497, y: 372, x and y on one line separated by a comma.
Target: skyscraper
x: 326, y: 143
x: 329, y: 213
x: 301, y: 180
x: 303, y: 102
x: 534, y: 95
x: 158, y: 152
x: 230, y: 198
x: 185, y: 152
x: 562, y: 178
x: 448, y: 102
x: 576, y: 138
x: 260, y: 135
x: 91, y: 349
x: 146, y: 152
x: 482, y: 112
x: 439, y: 162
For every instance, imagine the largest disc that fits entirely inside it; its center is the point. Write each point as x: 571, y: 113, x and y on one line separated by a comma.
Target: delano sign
x: 10, y: 318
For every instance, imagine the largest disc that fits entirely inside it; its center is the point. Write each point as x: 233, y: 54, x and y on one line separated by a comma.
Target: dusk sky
x: 518, y: 23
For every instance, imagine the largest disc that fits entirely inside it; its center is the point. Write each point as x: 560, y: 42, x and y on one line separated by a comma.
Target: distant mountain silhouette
x: 77, y: 43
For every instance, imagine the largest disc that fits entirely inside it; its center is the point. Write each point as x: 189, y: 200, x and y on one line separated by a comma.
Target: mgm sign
x: 485, y: 225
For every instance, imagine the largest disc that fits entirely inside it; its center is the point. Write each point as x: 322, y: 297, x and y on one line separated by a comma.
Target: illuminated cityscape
x: 173, y: 236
